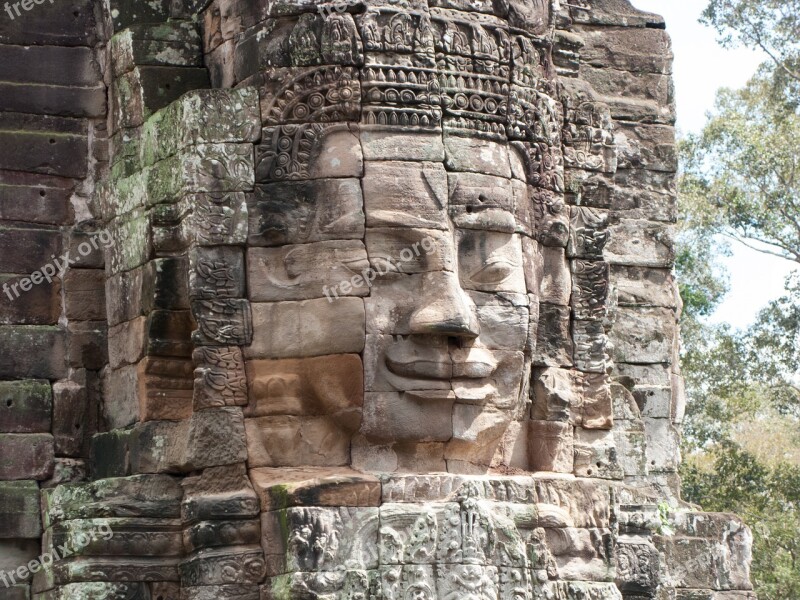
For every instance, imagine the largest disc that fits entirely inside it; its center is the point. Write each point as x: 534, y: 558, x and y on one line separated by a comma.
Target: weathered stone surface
x: 72, y: 414
x: 640, y: 243
x: 43, y: 144
x: 550, y: 446
x: 169, y: 44
x: 209, y: 438
x: 307, y: 328
x: 85, y: 293
x: 282, y: 488
x: 531, y: 146
x: 39, y: 352
x: 219, y: 377
x: 219, y: 493
x: 142, y: 91
x: 644, y: 335
x: 305, y: 386
x: 19, y: 510
x: 26, y: 456
x: 304, y: 271
x: 306, y: 211
x: 334, y: 151
x: 389, y: 185
x: 201, y: 117
x: 553, y: 342
x: 26, y: 406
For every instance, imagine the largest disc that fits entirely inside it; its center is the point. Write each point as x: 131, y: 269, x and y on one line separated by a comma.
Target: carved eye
x: 494, y: 272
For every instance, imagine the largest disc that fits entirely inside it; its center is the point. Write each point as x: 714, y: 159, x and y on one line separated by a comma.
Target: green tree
x: 740, y: 181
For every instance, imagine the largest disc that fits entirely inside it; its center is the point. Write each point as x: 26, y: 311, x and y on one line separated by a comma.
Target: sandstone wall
x: 139, y: 125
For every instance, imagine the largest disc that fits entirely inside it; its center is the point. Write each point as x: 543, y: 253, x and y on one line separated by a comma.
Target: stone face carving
x: 389, y: 310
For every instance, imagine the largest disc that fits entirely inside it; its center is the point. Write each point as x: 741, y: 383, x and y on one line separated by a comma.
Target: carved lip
x: 479, y: 365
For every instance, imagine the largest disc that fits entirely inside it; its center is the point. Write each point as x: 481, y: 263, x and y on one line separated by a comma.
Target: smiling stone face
x: 403, y: 187
x: 449, y: 331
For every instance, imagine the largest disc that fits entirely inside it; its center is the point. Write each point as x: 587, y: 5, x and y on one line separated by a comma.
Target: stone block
x: 109, y: 454
x: 51, y: 65
x: 322, y: 385
x: 142, y: 91
x: 334, y: 151
x: 14, y: 554
x: 407, y: 417
x: 478, y: 433
x: 19, y: 510
x: 202, y: 116
x: 244, y: 564
x: 662, y: 449
x: 555, y: 283
x: 634, y: 49
x: 553, y: 341
x: 27, y: 248
x: 139, y: 496
x: 85, y: 295
x: 221, y: 65
x: 219, y: 377
x: 550, y: 446
x: 216, y: 273
x: 289, y: 535
x: 644, y: 335
x: 209, y: 438
x: 596, y: 454
x: 87, y: 345
x: 303, y: 271
x: 219, y: 493
x: 641, y: 244
x: 25, y: 406
x: 421, y: 188
x: 67, y: 470
x: 590, y: 344
x: 299, y: 212
x: 382, y: 144
x: 645, y: 194
x: 318, y: 486
x: 26, y: 456
x: 32, y: 352
x: 43, y: 144
x: 72, y: 415
x: 160, y: 284
x: 62, y: 100
x: 121, y: 396
x: 132, y: 243
x: 651, y: 147
x: 85, y: 245
x: 222, y: 322
x: 52, y: 27
x: 290, y: 441
x: 644, y: 286
x: 307, y: 328
x: 174, y: 44
x: 31, y: 198
x: 476, y: 155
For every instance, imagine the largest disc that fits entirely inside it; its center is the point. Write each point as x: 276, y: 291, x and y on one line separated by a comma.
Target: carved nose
x: 445, y: 308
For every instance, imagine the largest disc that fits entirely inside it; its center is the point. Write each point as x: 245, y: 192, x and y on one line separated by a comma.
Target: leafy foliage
x: 741, y: 180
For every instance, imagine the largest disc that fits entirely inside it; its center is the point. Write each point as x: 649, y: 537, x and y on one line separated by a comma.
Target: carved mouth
x: 462, y: 363
x: 421, y: 369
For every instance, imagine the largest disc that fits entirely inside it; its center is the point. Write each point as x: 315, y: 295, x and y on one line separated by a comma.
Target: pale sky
x: 701, y: 67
